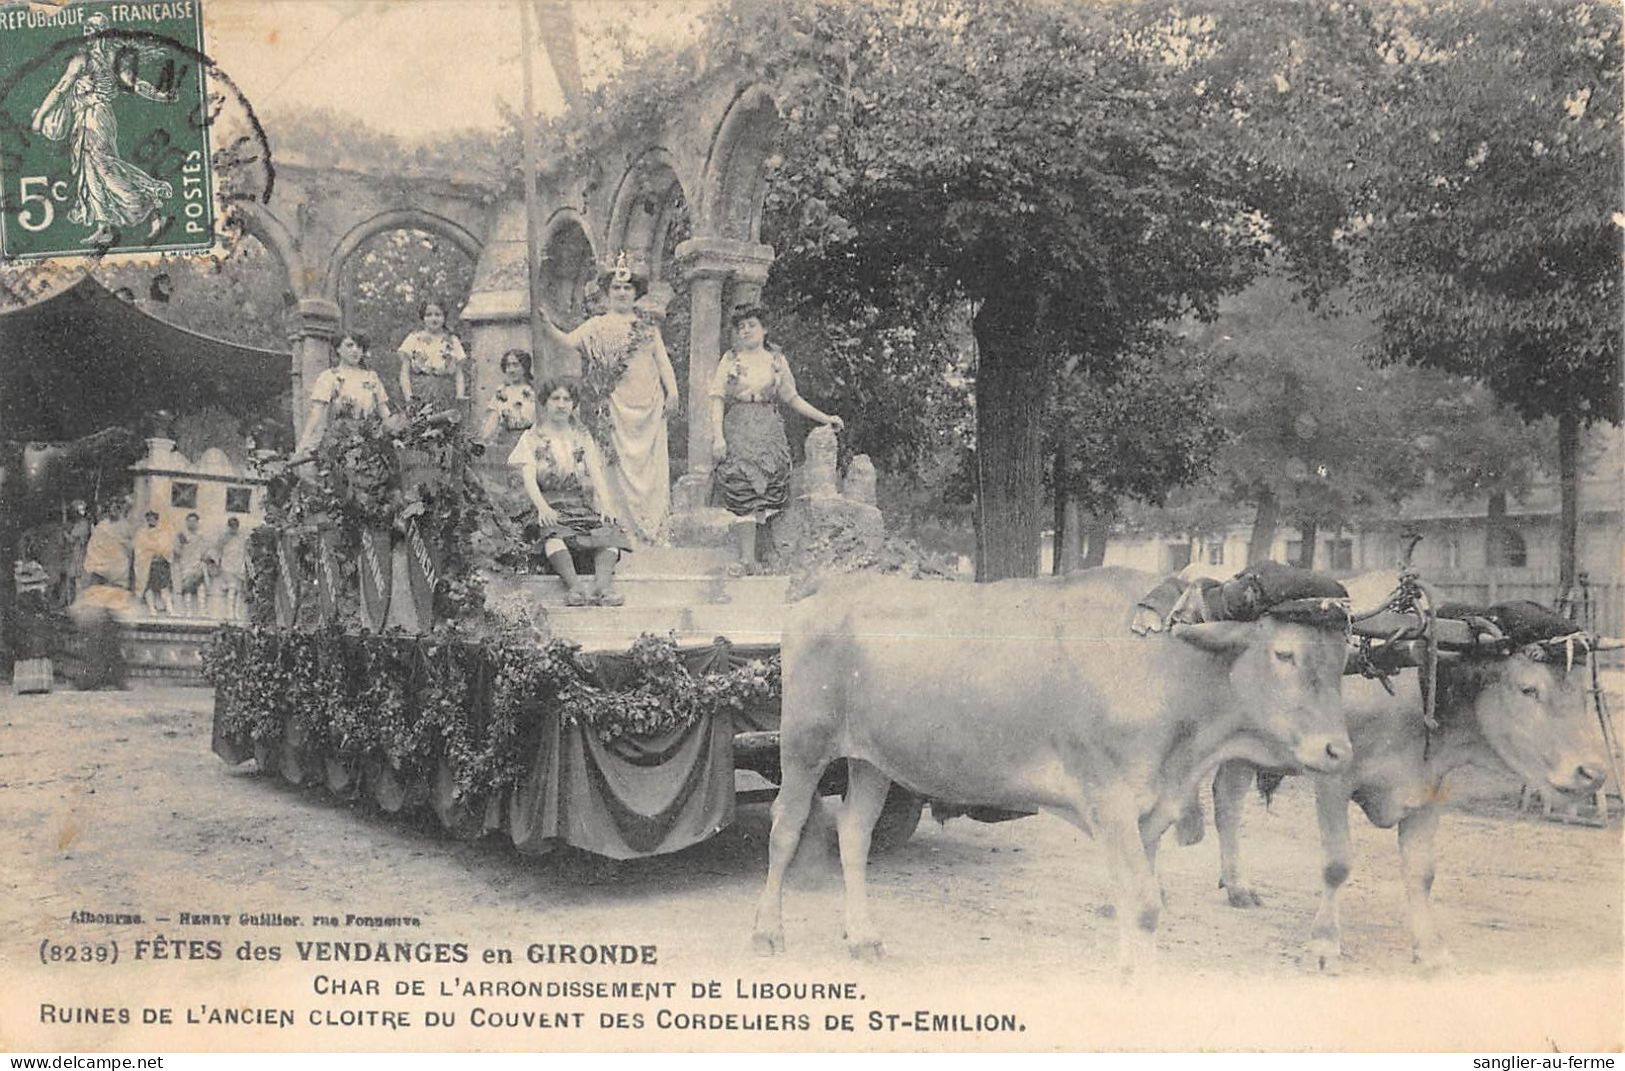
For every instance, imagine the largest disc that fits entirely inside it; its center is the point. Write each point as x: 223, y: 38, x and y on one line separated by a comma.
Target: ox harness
x: 1408, y: 629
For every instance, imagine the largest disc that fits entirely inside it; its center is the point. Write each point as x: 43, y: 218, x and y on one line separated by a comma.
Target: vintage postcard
x: 826, y: 525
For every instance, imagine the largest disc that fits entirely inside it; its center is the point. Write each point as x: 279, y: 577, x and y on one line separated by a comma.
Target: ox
x: 1034, y: 695
x: 1521, y: 710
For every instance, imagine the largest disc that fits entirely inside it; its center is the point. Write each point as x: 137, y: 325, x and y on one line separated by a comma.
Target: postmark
x: 185, y: 147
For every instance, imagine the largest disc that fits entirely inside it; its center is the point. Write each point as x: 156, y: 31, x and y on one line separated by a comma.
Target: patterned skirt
x: 579, y: 526
x: 754, y: 478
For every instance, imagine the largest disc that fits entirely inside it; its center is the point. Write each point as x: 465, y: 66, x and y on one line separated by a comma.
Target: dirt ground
x: 114, y: 803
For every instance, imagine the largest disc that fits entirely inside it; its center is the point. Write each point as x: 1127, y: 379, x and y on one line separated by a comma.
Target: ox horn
x: 1216, y: 637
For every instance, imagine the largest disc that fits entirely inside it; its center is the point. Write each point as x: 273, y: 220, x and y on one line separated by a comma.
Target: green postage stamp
x: 104, y: 129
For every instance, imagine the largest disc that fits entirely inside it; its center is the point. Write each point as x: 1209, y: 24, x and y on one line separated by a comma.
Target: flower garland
x: 479, y: 707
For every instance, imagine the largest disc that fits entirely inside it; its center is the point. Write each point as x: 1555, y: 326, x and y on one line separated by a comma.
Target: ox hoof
x: 1242, y: 896
x: 767, y: 944
x: 867, y: 951
x: 1325, y: 957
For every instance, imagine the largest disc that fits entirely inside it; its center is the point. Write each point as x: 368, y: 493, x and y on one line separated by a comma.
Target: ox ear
x: 1218, y: 637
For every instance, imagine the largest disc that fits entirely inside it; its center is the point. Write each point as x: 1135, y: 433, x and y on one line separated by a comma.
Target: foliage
x: 372, y: 474
x: 1045, y: 164
x: 1316, y: 436
x: 211, y: 427
x: 1138, y: 427
x: 242, y: 296
x: 1468, y: 158
x: 388, y: 279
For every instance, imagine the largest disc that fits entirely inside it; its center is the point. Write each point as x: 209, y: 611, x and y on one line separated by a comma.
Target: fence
x: 1485, y: 587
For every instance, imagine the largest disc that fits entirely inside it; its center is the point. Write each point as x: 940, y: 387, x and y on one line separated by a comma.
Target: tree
x: 1479, y: 173
x: 1042, y: 163
x: 1134, y: 427
x: 1320, y: 438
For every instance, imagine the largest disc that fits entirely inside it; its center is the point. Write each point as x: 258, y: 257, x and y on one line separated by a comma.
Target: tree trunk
x: 1264, y: 524
x: 1568, y: 482
x: 1495, y: 526
x: 1097, y: 531
x: 1011, y: 383
x: 1309, y: 533
x: 1061, y: 531
x: 1069, y: 538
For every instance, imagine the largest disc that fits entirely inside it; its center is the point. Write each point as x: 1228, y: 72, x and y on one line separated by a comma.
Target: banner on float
x: 373, y: 568
x: 286, y: 599
x: 328, y: 575
x: 422, y: 573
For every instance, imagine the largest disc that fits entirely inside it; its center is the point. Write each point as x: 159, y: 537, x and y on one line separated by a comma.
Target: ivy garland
x: 599, y: 380
x: 412, y: 702
x: 370, y: 475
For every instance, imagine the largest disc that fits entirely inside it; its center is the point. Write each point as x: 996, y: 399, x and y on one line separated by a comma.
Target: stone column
x: 708, y: 264
x: 704, y: 347
x: 312, y: 353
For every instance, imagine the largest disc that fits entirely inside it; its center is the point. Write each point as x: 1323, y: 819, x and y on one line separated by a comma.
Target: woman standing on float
x: 752, y: 477
x: 624, y: 357
x: 342, y: 397
x: 433, y: 362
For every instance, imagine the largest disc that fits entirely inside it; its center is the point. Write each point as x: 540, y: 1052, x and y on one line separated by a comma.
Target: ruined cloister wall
x: 707, y: 162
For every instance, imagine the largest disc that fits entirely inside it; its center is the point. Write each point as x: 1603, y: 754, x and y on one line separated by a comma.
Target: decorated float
x: 407, y: 650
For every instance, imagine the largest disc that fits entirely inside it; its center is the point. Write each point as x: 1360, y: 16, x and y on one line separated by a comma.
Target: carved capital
x: 318, y: 318
x: 723, y: 258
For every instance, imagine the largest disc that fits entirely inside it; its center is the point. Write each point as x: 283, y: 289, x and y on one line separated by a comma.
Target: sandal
x: 609, y: 598
x: 576, y: 597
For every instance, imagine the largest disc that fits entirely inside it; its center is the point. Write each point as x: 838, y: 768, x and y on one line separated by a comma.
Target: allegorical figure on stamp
x: 109, y: 191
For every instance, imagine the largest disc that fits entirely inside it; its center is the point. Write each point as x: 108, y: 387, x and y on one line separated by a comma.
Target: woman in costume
x: 432, y: 362
x: 632, y: 389
x: 154, y: 548
x: 343, y: 396
x: 508, y: 415
x: 107, y: 551
x: 512, y: 408
x: 108, y: 191
x: 559, y: 464
x: 752, y: 477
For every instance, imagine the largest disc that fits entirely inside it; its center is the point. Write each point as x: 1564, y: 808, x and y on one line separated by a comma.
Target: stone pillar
x: 704, y: 347
x: 312, y: 353
x: 708, y: 264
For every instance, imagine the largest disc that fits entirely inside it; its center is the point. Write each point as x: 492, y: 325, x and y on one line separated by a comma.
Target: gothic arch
x: 263, y: 224
x: 735, y: 181
x: 394, y: 220
x: 641, y: 207
x: 569, y: 264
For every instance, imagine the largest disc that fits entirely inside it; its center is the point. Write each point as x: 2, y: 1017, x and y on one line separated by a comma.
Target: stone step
x: 675, y: 561
x: 652, y: 591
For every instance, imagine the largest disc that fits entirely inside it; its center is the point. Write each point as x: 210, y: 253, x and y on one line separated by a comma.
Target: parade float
x: 407, y: 650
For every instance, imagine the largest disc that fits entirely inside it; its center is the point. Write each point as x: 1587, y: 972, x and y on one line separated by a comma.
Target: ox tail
x: 1268, y: 781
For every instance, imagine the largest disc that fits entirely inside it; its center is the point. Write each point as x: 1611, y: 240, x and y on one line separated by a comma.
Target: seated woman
x: 343, y: 396
x: 558, y: 464
x: 107, y: 551
x: 432, y: 362
x: 752, y: 477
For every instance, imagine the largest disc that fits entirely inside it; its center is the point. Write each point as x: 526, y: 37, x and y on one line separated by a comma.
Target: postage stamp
x: 104, y: 129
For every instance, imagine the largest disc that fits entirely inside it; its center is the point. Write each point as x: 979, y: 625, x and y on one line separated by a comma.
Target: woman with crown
x: 629, y: 391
